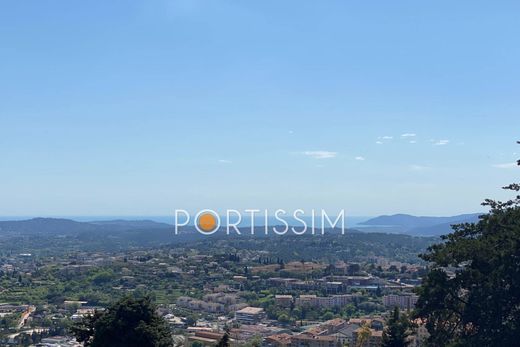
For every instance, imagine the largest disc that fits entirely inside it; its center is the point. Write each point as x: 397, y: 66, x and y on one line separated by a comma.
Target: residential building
x: 308, y: 340
x: 249, y: 315
x: 375, y: 339
x: 283, y: 300
x: 404, y: 302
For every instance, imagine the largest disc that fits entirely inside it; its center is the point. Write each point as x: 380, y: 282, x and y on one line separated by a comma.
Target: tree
x: 379, y: 291
x: 224, y: 341
x: 397, y: 331
x: 256, y: 341
x: 191, y: 320
x: 283, y: 318
x: 84, y: 329
x: 353, y: 269
x: 130, y: 322
x: 328, y: 315
x: 471, y: 295
x: 393, y: 268
x: 363, y: 335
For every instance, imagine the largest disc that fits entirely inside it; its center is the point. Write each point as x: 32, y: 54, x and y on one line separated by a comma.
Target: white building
x: 249, y: 315
x: 404, y: 302
x: 324, y: 301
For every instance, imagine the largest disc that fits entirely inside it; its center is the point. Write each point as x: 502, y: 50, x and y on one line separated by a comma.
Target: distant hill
x: 44, y: 236
x: 124, y: 224
x: 68, y: 226
x: 143, y: 232
x: 418, y: 225
x: 46, y: 225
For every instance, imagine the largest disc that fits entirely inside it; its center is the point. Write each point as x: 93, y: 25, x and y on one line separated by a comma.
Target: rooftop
x: 251, y: 310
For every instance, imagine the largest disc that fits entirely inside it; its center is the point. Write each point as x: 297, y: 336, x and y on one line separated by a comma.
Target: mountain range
x: 416, y: 225
x: 69, y: 226
x: 397, y: 223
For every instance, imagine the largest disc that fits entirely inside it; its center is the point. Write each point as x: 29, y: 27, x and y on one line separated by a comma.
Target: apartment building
x: 404, y: 302
x: 249, y: 315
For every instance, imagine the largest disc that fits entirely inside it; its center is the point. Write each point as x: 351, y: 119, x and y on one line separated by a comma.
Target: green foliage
x: 255, y: 341
x: 84, y: 329
x: 328, y: 315
x: 129, y: 322
x: 471, y: 296
x: 398, y: 330
x: 283, y: 318
x: 102, y: 277
x: 363, y: 335
x: 224, y: 341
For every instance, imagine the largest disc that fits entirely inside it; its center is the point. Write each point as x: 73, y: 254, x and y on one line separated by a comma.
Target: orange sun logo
x: 207, y: 222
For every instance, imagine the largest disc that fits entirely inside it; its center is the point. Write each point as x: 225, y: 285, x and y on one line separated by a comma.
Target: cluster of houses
x: 333, y: 333
x: 337, y: 300
x: 212, y: 303
x: 331, y: 284
x: 362, y: 332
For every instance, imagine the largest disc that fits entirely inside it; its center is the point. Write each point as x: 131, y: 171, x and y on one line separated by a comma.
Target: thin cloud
x: 386, y: 137
x: 505, y: 165
x: 379, y: 142
x: 441, y: 142
x: 408, y: 135
x: 360, y: 158
x: 412, y: 141
x: 224, y: 161
x: 320, y: 154
x: 416, y: 167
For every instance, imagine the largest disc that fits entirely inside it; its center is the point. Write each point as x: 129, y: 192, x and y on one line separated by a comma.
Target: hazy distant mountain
x: 46, y: 225
x: 418, y: 225
x: 147, y: 231
x: 68, y: 226
x: 124, y: 224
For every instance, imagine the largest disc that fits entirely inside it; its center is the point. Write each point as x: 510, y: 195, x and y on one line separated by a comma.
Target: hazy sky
x: 139, y: 108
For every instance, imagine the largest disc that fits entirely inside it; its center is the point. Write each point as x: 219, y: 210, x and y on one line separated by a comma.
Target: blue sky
x: 140, y: 108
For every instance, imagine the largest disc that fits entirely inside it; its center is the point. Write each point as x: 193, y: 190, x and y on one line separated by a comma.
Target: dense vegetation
x: 129, y: 322
x: 51, y: 275
x: 397, y: 331
x: 471, y: 296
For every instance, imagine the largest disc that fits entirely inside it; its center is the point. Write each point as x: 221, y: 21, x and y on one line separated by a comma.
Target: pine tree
x: 129, y: 322
x: 480, y: 304
x: 224, y: 341
x: 398, y: 330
